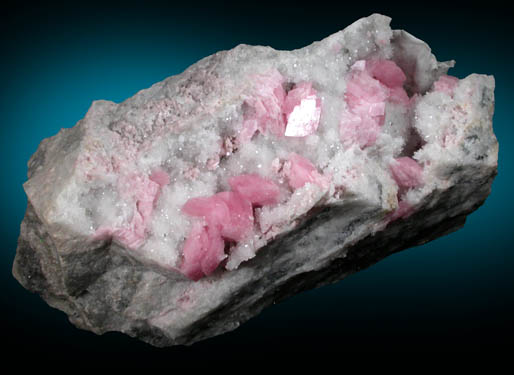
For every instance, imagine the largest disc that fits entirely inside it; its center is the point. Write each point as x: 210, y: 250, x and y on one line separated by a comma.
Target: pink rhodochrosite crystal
x: 240, y: 217
x: 259, y: 191
x: 255, y: 174
x: 160, y: 177
x: 264, y: 113
x: 386, y: 72
x: 227, y: 211
x: 300, y: 171
x: 399, y: 96
x: 228, y: 216
x: 371, y: 84
x: 446, y: 84
x: 407, y: 172
x: 213, y: 209
x: 203, y: 251
x: 271, y: 111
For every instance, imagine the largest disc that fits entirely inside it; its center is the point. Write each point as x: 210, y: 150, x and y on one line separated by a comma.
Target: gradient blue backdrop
x: 454, y: 293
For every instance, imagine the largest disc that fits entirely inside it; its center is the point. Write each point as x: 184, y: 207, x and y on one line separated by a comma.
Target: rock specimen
x: 253, y: 175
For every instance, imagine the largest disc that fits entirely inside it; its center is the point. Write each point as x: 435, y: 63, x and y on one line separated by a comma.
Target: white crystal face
x: 304, y: 119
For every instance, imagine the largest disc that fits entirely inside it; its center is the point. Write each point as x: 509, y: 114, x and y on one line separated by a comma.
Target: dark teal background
x: 453, y: 294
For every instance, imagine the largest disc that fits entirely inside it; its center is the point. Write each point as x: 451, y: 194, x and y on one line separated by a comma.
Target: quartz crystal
x: 183, y: 211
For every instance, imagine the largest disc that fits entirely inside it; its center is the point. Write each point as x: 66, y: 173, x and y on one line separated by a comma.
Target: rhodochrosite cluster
x: 227, y: 217
x: 371, y: 84
x: 271, y: 111
x: 253, y: 175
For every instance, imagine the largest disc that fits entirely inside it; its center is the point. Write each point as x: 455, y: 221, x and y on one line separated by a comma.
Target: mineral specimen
x: 253, y: 175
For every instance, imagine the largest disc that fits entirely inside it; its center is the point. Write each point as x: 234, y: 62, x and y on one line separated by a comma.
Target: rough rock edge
x: 36, y: 268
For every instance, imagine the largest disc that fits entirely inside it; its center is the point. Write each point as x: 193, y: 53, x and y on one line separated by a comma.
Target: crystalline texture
x: 370, y: 85
x: 255, y: 174
x: 302, y: 108
x: 228, y: 217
